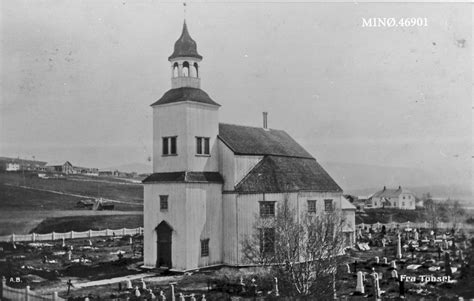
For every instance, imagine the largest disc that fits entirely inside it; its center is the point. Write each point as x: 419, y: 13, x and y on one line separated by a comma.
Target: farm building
x: 90, y: 171
x: 65, y: 168
x: 211, y: 180
x: 16, y: 164
x: 399, y: 198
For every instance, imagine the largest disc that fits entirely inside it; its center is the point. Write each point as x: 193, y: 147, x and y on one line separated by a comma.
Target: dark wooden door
x: 163, y: 258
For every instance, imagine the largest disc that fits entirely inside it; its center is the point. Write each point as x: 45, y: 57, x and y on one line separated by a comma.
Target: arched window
x: 175, y: 70
x: 186, y: 69
x: 196, y: 70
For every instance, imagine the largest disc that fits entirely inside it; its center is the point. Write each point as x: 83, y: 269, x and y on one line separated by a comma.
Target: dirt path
x: 72, y: 194
x: 146, y: 276
x: 79, y: 284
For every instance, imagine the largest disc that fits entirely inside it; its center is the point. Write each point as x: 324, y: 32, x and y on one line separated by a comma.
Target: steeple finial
x: 184, y: 11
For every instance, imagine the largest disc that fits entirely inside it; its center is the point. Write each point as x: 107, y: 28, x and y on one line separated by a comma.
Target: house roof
x: 282, y: 174
x: 246, y: 140
x: 184, y: 177
x: 59, y: 163
x: 185, y: 94
x: 346, y: 204
x: 390, y: 193
x: 185, y: 46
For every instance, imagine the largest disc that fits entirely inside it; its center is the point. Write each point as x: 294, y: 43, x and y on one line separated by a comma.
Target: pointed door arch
x: 163, y: 244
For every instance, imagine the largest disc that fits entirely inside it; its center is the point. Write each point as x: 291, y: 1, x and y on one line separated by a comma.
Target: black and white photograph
x: 244, y: 150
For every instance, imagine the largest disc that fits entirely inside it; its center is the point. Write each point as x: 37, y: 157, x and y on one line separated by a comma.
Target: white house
x: 211, y: 180
x: 398, y: 198
x: 12, y: 166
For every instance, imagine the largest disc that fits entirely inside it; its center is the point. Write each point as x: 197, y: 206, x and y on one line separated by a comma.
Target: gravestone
x: 447, y: 264
x: 393, y: 264
x: 360, y: 283
x: 137, y: 292
x: 394, y: 274
x: 399, y: 247
x: 129, y: 284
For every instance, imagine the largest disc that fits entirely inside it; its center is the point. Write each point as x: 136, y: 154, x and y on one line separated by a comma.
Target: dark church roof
x: 185, y: 46
x: 246, y: 140
x: 185, y: 94
x: 185, y: 177
x: 276, y: 174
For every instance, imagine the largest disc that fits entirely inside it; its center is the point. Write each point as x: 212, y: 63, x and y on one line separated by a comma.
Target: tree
x: 432, y: 212
x: 454, y: 212
x: 303, y: 252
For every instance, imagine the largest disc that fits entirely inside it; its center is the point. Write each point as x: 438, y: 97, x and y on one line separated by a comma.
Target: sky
x: 78, y: 78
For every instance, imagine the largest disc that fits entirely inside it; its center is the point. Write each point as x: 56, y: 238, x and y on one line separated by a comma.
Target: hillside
x: 92, y: 187
x: 364, y: 179
x: 84, y: 223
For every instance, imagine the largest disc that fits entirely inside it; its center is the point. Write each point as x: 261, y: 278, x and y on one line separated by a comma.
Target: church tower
x: 185, y: 188
x: 185, y: 119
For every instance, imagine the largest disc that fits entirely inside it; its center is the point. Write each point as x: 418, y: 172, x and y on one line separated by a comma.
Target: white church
x: 212, y: 180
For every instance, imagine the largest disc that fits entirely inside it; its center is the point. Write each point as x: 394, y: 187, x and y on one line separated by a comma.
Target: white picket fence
x: 70, y: 235
x: 20, y: 294
x: 425, y: 225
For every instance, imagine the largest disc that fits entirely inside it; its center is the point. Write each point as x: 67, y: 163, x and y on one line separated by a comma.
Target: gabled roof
x: 185, y: 94
x: 283, y: 174
x: 185, y: 46
x: 390, y: 193
x: 59, y: 163
x: 246, y: 140
x: 346, y: 204
x: 184, y: 177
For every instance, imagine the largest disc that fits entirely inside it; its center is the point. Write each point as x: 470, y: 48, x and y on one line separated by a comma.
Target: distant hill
x: 363, y: 180
x: 131, y: 167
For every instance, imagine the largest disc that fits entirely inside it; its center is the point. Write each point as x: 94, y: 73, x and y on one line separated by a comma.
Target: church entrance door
x: 163, y: 256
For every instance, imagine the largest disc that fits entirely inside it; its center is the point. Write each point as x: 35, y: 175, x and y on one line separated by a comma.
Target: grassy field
x: 84, y: 223
x: 390, y: 215
x: 22, y: 209
x: 88, y: 186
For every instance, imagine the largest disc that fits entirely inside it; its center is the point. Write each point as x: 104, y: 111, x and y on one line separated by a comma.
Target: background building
x: 393, y: 198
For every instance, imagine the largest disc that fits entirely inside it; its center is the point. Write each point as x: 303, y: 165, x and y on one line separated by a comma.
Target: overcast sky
x: 77, y: 78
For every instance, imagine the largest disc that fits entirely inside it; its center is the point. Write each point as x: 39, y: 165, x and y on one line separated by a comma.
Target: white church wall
x: 234, y: 167
x: 230, y: 231
x: 243, y: 165
x: 202, y: 121
x: 186, y: 121
x: 226, y: 166
x: 174, y: 216
x: 241, y: 214
x: 204, y: 219
x: 168, y: 121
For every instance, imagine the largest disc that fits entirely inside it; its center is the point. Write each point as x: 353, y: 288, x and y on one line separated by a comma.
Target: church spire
x: 185, y: 62
x: 185, y: 46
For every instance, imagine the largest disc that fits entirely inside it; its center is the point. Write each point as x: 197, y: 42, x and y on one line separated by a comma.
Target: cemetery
x: 411, y: 263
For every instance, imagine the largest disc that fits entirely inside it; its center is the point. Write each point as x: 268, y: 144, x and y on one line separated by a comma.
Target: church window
x: 267, y: 241
x: 204, y: 247
x: 163, y: 203
x: 169, y: 145
x: 175, y: 70
x: 267, y: 209
x: 202, y: 146
x: 312, y: 206
x: 186, y: 69
x: 328, y: 206
x: 196, y: 70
